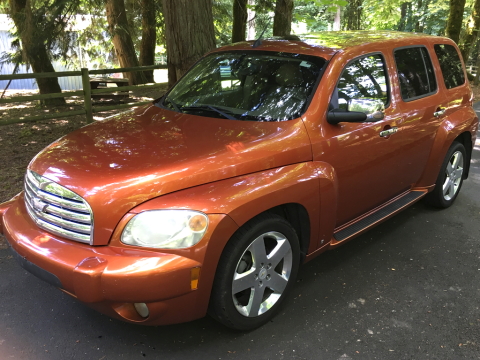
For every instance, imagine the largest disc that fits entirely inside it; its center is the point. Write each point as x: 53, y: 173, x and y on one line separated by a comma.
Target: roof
x: 346, y: 39
x: 326, y: 43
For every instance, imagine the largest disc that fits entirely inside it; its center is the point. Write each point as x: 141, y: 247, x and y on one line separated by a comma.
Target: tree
x: 122, y: 41
x: 149, y: 37
x: 189, y: 33
x: 317, y: 14
x: 455, y: 19
x: 282, y: 22
x: 251, y: 22
x: 223, y: 21
x: 239, y: 27
x: 403, y: 16
x: 337, y: 20
x: 35, y: 44
x: 471, y: 31
x: 353, y: 14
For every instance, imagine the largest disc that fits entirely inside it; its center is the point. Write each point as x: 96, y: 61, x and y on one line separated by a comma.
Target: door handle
x: 439, y: 112
x: 388, y: 132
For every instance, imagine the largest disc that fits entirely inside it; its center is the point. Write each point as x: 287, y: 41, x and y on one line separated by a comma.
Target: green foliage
x: 3, y: 6
x: 435, y: 17
x: 93, y: 42
x: 222, y: 20
x: 428, y: 16
x: 318, y: 15
x: 381, y: 15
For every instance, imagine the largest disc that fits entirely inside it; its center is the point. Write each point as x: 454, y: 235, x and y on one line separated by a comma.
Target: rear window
x: 450, y: 64
x: 415, y: 73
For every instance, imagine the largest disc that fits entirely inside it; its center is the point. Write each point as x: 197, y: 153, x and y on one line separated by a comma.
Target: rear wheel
x: 257, y: 269
x: 450, y: 179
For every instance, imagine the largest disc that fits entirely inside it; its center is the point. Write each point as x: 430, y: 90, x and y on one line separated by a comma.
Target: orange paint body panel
x: 328, y: 180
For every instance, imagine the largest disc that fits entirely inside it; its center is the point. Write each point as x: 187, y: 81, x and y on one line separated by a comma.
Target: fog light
x: 142, y: 309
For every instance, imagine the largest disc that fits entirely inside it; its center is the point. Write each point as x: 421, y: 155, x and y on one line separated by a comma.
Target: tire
x: 450, y: 179
x: 256, y: 271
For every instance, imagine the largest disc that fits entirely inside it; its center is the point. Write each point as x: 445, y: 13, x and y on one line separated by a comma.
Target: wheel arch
x: 465, y: 139
x: 297, y: 216
x: 450, y: 130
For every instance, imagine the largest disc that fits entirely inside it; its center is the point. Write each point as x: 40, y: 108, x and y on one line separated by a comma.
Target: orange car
x: 261, y: 157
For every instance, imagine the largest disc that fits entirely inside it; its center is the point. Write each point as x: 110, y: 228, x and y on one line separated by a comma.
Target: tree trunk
x: 418, y: 25
x: 239, y: 26
x: 403, y: 17
x: 455, y: 18
x: 282, y: 21
x: 337, y: 20
x: 189, y: 32
x: 33, y: 45
x: 149, y: 37
x: 251, y: 21
x: 471, y: 31
x: 122, y: 40
x: 131, y: 13
x: 354, y: 14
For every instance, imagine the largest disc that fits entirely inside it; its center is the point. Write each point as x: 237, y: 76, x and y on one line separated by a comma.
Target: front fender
x: 450, y: 128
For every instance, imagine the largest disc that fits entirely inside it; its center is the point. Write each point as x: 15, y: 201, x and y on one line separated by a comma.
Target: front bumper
x: 112, y: 278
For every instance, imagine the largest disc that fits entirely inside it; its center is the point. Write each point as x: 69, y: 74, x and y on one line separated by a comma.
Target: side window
x: 362, y: 79
x: 415, y: 72
x: 451, y: 65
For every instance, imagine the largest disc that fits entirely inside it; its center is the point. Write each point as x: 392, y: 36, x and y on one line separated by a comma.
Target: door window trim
x: 431, y: 63
x: 385, y: 69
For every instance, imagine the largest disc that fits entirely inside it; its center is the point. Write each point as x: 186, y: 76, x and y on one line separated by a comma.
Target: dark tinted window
x: 415, y: 72
x: 451, y: 65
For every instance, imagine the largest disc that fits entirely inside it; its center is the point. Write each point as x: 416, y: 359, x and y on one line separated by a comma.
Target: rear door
x: 422, y: 102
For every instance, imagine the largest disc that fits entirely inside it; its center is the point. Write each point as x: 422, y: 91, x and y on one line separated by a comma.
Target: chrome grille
x: 58, y: 210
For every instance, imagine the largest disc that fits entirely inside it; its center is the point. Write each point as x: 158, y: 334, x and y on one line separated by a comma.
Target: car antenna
x: 258, y: 42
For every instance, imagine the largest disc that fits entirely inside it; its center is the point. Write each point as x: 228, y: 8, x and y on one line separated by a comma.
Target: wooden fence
x: 472, y: 69
x: 86, y: 93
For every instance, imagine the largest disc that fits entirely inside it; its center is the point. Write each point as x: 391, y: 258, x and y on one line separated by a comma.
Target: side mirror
x: 336, y: 116
x: 358, y: 110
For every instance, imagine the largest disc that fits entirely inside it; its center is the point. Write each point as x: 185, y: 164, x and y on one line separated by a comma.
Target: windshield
x: 248, y: 85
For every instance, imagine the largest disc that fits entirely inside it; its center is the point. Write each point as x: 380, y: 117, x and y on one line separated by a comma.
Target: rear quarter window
x: 415, y: 72
x: 450, y: 65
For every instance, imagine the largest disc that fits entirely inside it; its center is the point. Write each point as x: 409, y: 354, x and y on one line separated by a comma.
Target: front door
x: 373, y: 161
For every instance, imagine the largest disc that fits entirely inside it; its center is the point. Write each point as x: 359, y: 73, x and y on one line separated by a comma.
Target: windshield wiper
x: 175, y: 106
x: 208, y: 107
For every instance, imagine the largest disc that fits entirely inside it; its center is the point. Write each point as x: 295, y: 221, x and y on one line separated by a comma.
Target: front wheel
x: 257, y: 269
x: 450, y: 179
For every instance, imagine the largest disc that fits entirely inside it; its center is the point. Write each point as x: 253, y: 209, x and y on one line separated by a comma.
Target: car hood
x: 121, y: 162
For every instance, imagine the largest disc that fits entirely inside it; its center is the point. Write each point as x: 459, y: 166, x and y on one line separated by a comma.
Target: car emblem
x: 39, y: 205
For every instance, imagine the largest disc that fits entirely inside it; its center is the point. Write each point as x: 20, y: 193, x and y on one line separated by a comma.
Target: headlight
x: 166, y: 229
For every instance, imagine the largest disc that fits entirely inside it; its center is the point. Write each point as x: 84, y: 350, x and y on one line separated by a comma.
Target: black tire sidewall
x: 221, y: 305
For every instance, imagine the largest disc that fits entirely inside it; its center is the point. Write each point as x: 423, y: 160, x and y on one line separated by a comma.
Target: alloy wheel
x: 453, y: 175
x: 262, y: 274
